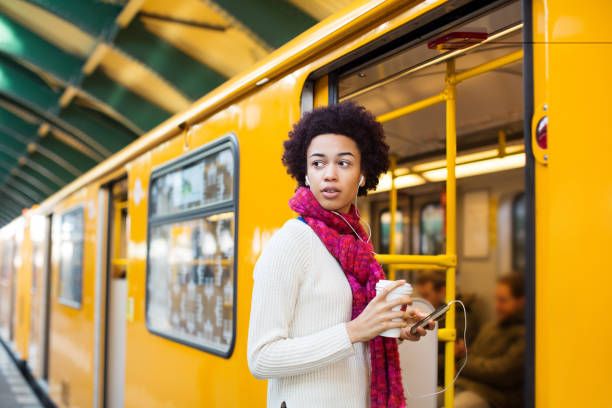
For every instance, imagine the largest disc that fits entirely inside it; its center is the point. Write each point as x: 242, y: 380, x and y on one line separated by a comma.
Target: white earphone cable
x: 464, y: 360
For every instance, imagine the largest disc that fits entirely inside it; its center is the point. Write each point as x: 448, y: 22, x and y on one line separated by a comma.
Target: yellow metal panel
x: 229, y: 52
x: 23, y: 274
x: 50, y: 27
x: 141, y: 80
x: 572, y: 59
x: 71, y: 335
x: 321, y: 92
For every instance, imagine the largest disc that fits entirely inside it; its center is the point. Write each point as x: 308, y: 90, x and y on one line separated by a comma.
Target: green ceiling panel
x: 184, y: 72
x: 5, y: 167
x: 12, y: 124
x: 46, y: 173
x: 27, y: 173
x: 8, y: 157
x: 52, y: 166
x: 6, y: 215
x: 8, y: 149
x: 92, y: 16
x: 33, y: 181
x: 19, y: 42
x: 9, y: 142
x: 23, y: 86
x: 138, y: 110
x: 7, y: 212
x: 17, y: 198
x: 10, y: 204
x: 110, y: 134
x: 274, y: 21
x: 77, y: 159
x: 25, y: 190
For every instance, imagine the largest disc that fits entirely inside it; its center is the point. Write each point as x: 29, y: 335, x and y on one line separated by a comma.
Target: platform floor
x: 14, y: 390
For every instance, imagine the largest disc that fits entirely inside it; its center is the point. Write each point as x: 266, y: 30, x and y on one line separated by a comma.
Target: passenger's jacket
x: 495, y: 365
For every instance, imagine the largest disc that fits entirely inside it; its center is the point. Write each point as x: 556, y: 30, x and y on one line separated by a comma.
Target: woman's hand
x: 412, y: 316
x: 377, y: 316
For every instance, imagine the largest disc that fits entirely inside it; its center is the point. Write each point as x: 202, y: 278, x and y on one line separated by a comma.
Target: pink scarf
x: 362, y: 272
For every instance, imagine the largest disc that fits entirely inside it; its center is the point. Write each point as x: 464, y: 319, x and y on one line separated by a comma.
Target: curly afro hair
x: 346, y: 119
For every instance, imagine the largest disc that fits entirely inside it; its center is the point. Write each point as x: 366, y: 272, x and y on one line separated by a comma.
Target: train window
x: 70, y: 284
x: 201, y: 183
x: 191, y: 248
x: 385, y: 223
x: 432, y: 229
x: 519, y: 232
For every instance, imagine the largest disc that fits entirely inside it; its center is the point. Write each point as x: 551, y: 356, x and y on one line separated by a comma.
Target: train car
x: 131, y: 286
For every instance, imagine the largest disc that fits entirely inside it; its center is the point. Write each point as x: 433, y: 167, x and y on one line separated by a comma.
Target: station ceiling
x: 81, y: 79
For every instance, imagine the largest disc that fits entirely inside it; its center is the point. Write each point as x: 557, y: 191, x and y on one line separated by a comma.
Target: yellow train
x: 131, y: 286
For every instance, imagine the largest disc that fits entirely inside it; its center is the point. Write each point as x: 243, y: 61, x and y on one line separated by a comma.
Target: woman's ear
x: 362, y: 181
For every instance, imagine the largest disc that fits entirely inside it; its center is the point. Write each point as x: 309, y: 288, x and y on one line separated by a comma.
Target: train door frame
x: 100, y: 299
x: 45, y: 324
x: 326, y: 81
x: 530, y: 239
x: 106, y: 311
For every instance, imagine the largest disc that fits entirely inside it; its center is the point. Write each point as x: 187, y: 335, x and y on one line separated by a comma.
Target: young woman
x: 315, y: 317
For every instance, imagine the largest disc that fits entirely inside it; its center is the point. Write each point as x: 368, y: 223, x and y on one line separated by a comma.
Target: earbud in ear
x: 307, y: 181
x: 361, y: 180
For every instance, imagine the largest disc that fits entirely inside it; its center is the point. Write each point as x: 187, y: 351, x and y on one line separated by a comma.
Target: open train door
x: 111, y: 296
x: 568, y: 51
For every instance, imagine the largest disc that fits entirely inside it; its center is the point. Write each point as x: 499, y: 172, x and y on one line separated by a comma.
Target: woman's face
x: 334, y: 171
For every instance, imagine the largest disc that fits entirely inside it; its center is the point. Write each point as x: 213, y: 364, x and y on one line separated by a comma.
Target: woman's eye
x: 317, y: 163
x: 344, y: 163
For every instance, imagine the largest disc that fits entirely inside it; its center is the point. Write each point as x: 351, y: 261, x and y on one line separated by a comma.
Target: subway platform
x: 15, y: 392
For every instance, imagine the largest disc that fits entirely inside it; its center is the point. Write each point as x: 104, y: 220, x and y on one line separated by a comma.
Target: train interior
x: 490, y: 154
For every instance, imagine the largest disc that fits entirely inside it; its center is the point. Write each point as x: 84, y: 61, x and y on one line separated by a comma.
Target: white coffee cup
x: 402, y: 290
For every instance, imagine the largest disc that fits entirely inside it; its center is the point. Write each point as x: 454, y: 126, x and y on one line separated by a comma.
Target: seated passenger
x: 493, y: 375
x: 431, y: 286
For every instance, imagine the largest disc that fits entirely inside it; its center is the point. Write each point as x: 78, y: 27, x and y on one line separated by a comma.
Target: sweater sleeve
x: 271, y: 353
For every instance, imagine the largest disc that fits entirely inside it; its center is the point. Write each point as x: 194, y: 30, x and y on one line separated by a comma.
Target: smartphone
x: 435, y: 316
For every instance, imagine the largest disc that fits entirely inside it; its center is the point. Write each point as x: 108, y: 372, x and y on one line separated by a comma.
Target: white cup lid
x: 404, y: 289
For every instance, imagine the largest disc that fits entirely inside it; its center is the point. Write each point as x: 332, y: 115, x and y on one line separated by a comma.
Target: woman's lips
x: 330, y: 193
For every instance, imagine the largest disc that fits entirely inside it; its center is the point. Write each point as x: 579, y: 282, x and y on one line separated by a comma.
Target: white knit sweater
x: 297, y: 333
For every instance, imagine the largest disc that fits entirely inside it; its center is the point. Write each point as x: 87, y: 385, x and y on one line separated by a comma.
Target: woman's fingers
x: 402, y: 300
x: 393, y: 314
x: 391, y: 324
x: 421, y: 331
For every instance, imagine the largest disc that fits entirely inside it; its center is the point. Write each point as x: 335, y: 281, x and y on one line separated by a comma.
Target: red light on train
x: 542, y: 133
x: 457, y: 40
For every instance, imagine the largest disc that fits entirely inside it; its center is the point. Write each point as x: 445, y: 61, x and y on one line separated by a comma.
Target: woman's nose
x: 330, y: 174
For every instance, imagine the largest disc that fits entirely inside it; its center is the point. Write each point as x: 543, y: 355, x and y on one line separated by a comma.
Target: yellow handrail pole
x: 451, y: 223
x: 501, y: 143
x: 392, y: 210
x: 413, y: 107
x: 116, y: 259
x: 489, y: 66
x: 462, y: 76
x: 445, y: 261
x: 418, y: 267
